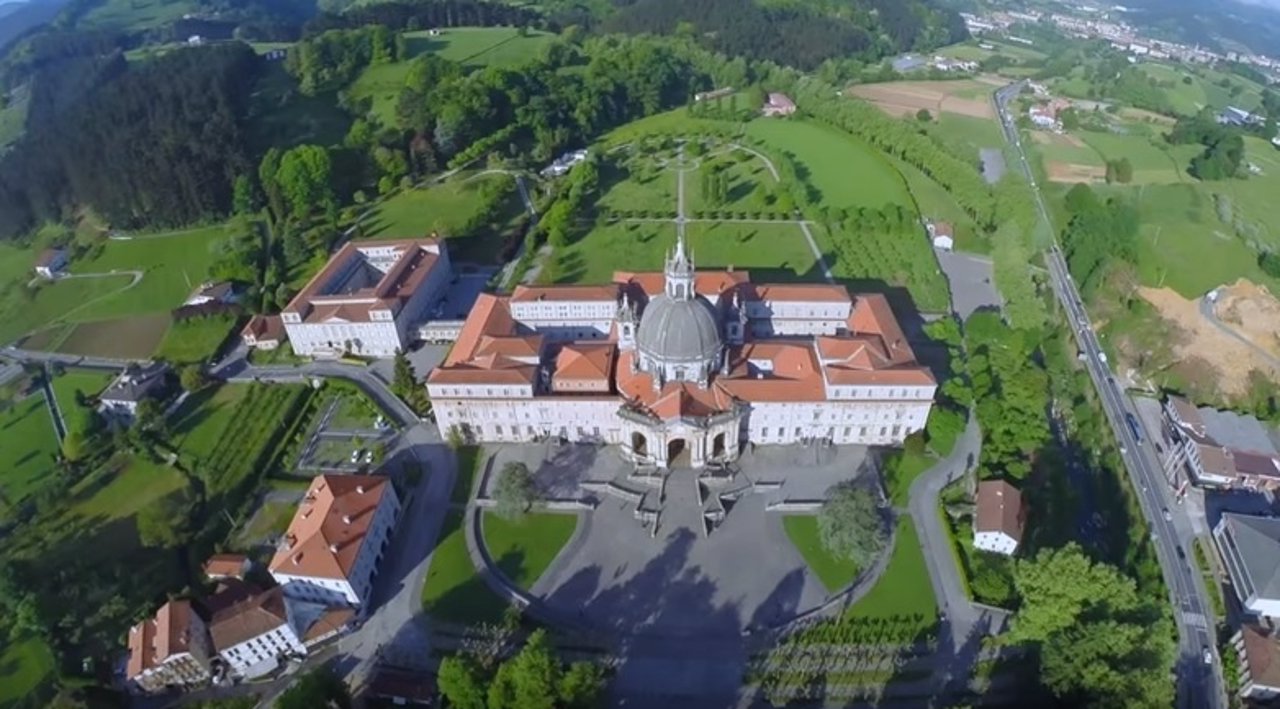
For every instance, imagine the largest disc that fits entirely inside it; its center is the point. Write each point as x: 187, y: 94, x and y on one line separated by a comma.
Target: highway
x: 1199, y: 684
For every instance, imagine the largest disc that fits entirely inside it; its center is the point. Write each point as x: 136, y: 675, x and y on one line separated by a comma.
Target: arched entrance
x: 717, y: 446
x: 677, y: 453
x: 639, y: 444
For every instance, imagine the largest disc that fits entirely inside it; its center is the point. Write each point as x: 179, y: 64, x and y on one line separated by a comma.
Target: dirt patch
x: 1230, y: 359
x: 1252, y: 311
x: 901, y: 98
x: 123, y: 338
x: 1073, y: 172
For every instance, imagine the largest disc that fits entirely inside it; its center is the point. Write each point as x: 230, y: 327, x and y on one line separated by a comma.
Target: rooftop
x: 364, y: 277
x: 247, y: 619
x: 1257, y: 543
x: 1261, y: 655
x: 155, y: 640
x: 136, y: 382
x: 999, y: 509
x: 327, y: 531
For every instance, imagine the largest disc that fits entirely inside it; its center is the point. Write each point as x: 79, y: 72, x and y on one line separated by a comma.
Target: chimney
x: 333, y: 548
x: 297, y: 559
x: 346, y: 519
x: 359, y: 490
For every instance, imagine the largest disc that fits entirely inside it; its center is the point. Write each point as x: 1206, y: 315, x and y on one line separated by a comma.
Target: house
x: 171, y: 649
x: 778, y: 105
x: 195, y: 40
x: 561, y: 165
x: 51, y: 262
x: 263, y: 332
x: 212, y: 292
x: 369, y: 298
x: 333, y: 546
x: 942, y: 235
x: 1042, y: 117
x: 1000, y: 517
x: 1276, y: 141
x: 1259, y: 654
x: 135, y: 383
x: 1232, y: 116
x: 1219, y: 448
x: 906, y: 63
x: 253, y: 635
x: 226, y: 566
x: 1249, y: 546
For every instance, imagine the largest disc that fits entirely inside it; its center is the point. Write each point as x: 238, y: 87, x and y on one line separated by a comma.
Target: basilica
x: 682, y: 367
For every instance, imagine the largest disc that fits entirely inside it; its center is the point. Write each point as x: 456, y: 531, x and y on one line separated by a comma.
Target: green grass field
x: 472, y: 47
x: 25, y: 665
x: 904, y: 590
x: 137, y: 14
x: 635, y: 185
x: 87, y: 381
x: 523, y: 549
x: 747, y: 180
x: 27, y: 448
x: 199, y: 424
x: 51, y: 301
x: 195, y: 340
x: 137, y: 485
x: 844, y: 171
x: 966, y: 135
x: 470, y: 460
x: 834, y: 572
x: 774, y: 252
x: 446, y: 209
x: 934, y: 202
x: 454, y: 591
x: 1151, y: 158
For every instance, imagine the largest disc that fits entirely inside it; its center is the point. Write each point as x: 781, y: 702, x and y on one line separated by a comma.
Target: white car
x: 1208, y: 655
x: 355, y: 456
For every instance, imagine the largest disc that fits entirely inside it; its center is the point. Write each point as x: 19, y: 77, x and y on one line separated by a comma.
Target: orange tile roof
x: 872, y: 315
x: 412, y: 267
x: 858, y: 352
x: 326, y: 533
x: 495, y: 373
x: 585, y: 361
x: 803, y: 292
x: 915, y: 376
x: 794, y: 373
x: 264, y: 328
x: 247, y: 619
x: 517, y: 346
x: 331, y: 620
x: 525, y: 294
x: 705, y: 282
x: 155, y: 640
x: 225, y: 565
x: 489, y: 316
x: 47, y: 257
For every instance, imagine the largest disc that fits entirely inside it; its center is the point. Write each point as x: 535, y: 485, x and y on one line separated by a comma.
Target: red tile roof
x: 264, y: 328
x: 247, y: 619
x: 414, y: 263
x: 585, y: 361
x: 802, y: 292
x: 707, y: 283
x: 232, y: 565
x: 326, y: 533
x: 489, y: 316
x: 155, y: 640
x: 47, y: 257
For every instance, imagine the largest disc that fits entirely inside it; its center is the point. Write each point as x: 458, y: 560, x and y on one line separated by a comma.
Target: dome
x: 676, y: 332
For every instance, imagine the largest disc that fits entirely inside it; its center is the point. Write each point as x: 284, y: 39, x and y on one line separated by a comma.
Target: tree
x: 460, y: 682
x: 850, y: 524
x: 243, y: 199
x: 317, y: 689
x: 305, y: 180
x: 582, y: 685
x: 166, y: 523
x: 924, y: 116
x: 404, y: 384
x: 515, y: 492
x: 535, y: 674
x: 191, y: 378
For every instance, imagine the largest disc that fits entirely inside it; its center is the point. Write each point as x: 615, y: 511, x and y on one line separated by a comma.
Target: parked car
x: 1168, y: 517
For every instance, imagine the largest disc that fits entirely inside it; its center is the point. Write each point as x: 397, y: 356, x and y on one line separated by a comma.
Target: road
x: 1198, y: 684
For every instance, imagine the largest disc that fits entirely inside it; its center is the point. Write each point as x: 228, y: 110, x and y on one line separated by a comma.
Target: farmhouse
x: 1249, y: 546
x: 369, y: 297
x: 51, y: 262
x: 1042, y: 117
x: 171, y: 649
x: 941, y: 235
x: 779, y: 105
x: 682, y: 367
x: 135, y: 383
x: 1219, y: 448
x: 1259, y: 654
x: 335, y: 542
x: 1000, y: 517
x: 210, y: 292
x: 263, y: 332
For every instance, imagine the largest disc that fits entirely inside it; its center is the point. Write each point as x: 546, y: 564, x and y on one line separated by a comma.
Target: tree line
x: 1097, y: 235
x: 427, y: 14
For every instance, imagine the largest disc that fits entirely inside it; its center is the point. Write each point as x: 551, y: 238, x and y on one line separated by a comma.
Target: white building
x: 682, y: 367
x: 1042, y: 117
x: 211, y: 292
x: 369, y: 298
x: 1250, y: 550
x: 332, y: 548
x: 170, y: 650
x: 999, y: 519
x: 254, y: 636
x: 941, y: 235
x: 130, y: 387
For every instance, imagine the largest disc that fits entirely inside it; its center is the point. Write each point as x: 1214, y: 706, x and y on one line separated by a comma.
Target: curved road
x: 1206, y: 310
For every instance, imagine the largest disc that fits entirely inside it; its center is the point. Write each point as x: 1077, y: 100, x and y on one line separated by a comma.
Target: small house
x: 51, y: 262
x: 779, y: 105
x: 135, y: 383
x: 211, y: 292
x: 942, y: 235
x: 263, y: 332
x: 1000, y: 518
x: 226, y: 566
x: 712, y: 95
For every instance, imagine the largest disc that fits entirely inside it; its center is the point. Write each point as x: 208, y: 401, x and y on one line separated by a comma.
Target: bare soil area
x: 1252, y: 311
x: 905, y: 98
x: 1073, y: 172
x: 1202, y: 342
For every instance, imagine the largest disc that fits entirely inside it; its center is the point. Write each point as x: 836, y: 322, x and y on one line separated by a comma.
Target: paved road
x: 69, y: 360
x: 1198, y: 685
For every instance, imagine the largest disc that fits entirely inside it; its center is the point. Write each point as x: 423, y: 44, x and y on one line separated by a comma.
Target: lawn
x: 523, y: 549
x: 676, y: 123
x: 843, y: 171
x: 1061, y: 148
x: 778, y: 252
x: 904, y: 591
x: 27, y: 448
x: 22, y: 310
x: 933, y: 201
x: 137, y: 14
x: 1150, y: 157
x: 356, y: 412
x: 135, y: 485
x: 87, y: 381
x: 637, y: 185
x: 269, y: 521
x: 454, y: 590
x: 25, y: 665
x: 834, y: 572
x: 966, y: 135
x: 747, y: 180
x: 195, y: 340
x: 446, y: 209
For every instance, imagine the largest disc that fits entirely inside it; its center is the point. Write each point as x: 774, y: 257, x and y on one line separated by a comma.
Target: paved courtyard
x: 617, y: 575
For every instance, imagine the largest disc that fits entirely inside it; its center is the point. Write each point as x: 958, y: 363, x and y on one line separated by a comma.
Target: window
x: 498, y: 429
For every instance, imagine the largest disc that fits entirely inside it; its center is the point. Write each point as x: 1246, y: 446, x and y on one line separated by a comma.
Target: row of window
x: 798, y: 432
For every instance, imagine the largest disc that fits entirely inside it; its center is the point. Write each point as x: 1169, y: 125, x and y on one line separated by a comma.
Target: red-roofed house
x: 682, y: 362
x: 368, y: 297
x: 336, y: 540
x: 263, y: 332
x: 171, y: 649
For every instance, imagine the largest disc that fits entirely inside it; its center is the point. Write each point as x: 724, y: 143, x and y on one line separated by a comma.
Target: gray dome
x: 679, y: 331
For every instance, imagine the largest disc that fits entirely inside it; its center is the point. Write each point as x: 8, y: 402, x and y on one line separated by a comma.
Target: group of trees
x: 533, y: 679
x: 737, y: 106
x: 1120, y: 171
x: 516, y: 491
x: 797, y: 34
x: 1223, y: 146
x: 333, y: 59
x: 1098, y: 235
x: 852, y: 525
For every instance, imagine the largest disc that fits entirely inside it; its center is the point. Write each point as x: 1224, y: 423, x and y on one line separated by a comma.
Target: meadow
x: 28, y: 446
x: 13, y: 120
x: 843, y: 172
x: 934, y: 202
x: 137, y: 14
x: 88, y: 382
x: 446, y: 209
x: 173, y: 263
x: 1151, y: 157
x: 195, y: 340
x: 965, y: 135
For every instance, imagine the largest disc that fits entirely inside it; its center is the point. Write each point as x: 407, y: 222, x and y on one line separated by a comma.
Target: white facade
x: 261, y: 654
x: 997, y: 542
